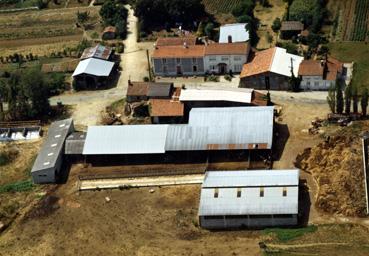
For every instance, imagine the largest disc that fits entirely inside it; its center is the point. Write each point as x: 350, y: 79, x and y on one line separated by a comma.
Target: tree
x: 355, y: 99
x: 121, y: 28
x: 331, y: 98
x: 277, y: 24
x: 208, y: 30
x: 364, y: 101
x: 339, y: 99
x: 348, y: 100
x: 83, y: 17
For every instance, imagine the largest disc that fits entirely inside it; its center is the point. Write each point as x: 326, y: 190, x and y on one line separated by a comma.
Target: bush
x: 17, y: 187
x: 290, y: 47
x: 286, y: 234
x: 277, y: 24
x: 212, y: 78
x: 120, y: 48
x: 146, y: 79
x: 228, y: 78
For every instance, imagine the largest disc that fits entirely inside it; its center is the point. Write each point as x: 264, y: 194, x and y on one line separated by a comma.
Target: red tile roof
x: 259, y: 99
x: 178, y: 51
x: 137, y: 88
x: 311, y: 68
x: 334, y: 67
x: 261, y: 63
x: 110, y: 29
x: 166, y: 107
x: 167, y: 41
x: 227, y: 49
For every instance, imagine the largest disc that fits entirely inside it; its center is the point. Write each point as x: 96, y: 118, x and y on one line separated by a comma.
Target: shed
x: 74, y: 143
x: 252, y: 199
x: 291, y: 28
x: 47, y: 166
x: 98, y: 52
x: 234, y: 33
x: 109, y: 33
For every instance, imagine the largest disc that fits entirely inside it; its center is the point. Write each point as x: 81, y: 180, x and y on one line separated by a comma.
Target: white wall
x: 234, y: 62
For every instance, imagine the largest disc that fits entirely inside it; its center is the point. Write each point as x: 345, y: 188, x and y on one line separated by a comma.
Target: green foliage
x: 287, y: 234
x: 120, y: 48
x: 82, y: 46
x: 82, y: 17
x: 277, y: 24
x: 41, y: 4
x: 339, y: 99
x: 208, y: 30
x: 331, y: 98
x: 56, y: 83
x: 245, y: 7
x: 228, y: 77
x: 355, y: 100
x: 364, y: 101
x: 290, y: 47
x: 166, y: 13
x: 212, y: 78
x: 302, y: 10
x: 115, y: 14
x: 17, y: 187
x: 348, y: 99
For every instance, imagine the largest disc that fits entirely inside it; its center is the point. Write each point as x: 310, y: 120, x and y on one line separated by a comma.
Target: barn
x: 48, y: 164
x: 249, y: 199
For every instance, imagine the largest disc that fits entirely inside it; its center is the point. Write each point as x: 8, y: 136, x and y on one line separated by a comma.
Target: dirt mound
x: 336, y: 166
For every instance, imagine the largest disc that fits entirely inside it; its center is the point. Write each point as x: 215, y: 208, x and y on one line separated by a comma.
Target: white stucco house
x: 233, y: 33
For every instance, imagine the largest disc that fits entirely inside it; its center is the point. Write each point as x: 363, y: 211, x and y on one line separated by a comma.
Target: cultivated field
x: 351, y: 20
x: 42, y: 32
x: 220, y: 6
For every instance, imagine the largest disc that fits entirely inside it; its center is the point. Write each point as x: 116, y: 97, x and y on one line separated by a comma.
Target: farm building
x: 109, y: 33
x: 221, y: 97
x: 170, y: 41
x: 270, y: 70
x: 239, y: 128
x: 138, y: 91
x: 192, y: 60
x: 93, y: 73
x: 98, y: 52
x: 169, y: 110
x: 74, y: 143
x: 290, y: 29
x: 320, y: 74
x: 48, y: 164
x: 249, y: 199
x: 233, y: 33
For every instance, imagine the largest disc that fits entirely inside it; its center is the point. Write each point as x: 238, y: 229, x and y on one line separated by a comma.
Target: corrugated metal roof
x: 236, y: 125
x: 251, y: 178
x: 249, y: 184
x: 183, y: 137
x: 126, y: 139
x: 74, y: 143
x: 94, y: 67
x: 99, y: 51
x: 217, y: 94
x: 160, y: 89
x: 237, y: 31
x: 53, y: 145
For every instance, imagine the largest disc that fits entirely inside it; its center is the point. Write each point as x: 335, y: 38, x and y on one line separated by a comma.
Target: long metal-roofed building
x: 252, y: 199
x: 236, y: 127
x: 47, y: 166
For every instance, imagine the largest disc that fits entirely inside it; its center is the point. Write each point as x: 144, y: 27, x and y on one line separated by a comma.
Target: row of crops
x: 360, y: 30
x: 220, y: 6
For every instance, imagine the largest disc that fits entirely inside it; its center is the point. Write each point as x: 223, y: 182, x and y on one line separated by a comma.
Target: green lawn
x: 357, y: 52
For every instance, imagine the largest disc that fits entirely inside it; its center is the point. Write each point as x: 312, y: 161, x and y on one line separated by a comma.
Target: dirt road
x: 89, y: 104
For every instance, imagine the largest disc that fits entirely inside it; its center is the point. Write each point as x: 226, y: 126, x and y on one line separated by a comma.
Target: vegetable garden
x: 220, y: 6
x: 359, y: 33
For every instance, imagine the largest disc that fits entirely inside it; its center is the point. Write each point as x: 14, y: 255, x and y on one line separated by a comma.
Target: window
x: 57, y: 136
x: 212, y: 58
x: 178, y: 60
x: 165, y: 70
x: 50, y: 154
x: 308, y: 83
x: 164, y: 61
x: 239, y: 192
x: 237, y: 68
x: 229, y: 39
x: 237, y: 58
x: 216, y: 192
x: 284, y: 191
x: 194, y: 68
x: 316, y: 83
x: 62, y: 125
x: 54, y: 145
x: 224, y: 58
x: 194, y: 60
x: 261, y: 192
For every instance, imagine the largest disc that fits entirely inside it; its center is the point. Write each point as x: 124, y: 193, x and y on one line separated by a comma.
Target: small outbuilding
x: 93, y: 73
x: 249, y: 199
x: 138, y: 91
x: 109, y: 33
x: 290, y: 29
x: 48, y: 164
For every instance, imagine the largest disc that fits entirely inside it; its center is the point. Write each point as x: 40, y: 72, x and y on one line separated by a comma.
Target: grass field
x: 357, y: 52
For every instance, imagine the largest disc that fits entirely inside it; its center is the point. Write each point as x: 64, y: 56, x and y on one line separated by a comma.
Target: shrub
x: 276, y: 26
x: 286, y: 234
x: 213, y: 78
x: 228, y: 78
x: 120, y: 48
x: 146, y: 79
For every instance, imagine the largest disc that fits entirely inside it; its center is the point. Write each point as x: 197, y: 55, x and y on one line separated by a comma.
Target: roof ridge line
x: 271, y: 63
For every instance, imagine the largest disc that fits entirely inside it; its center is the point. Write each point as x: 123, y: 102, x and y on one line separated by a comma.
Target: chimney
x: 129, y: 82
x: 322, y: 63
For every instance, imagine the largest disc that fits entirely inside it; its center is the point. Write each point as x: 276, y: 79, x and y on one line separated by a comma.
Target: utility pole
x: 148, y: 64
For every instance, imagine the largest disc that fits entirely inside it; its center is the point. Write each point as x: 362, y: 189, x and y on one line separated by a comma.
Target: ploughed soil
x: 337, y: 167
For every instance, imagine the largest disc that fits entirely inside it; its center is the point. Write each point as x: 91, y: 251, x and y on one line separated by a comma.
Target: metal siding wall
x: 50, y: 176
